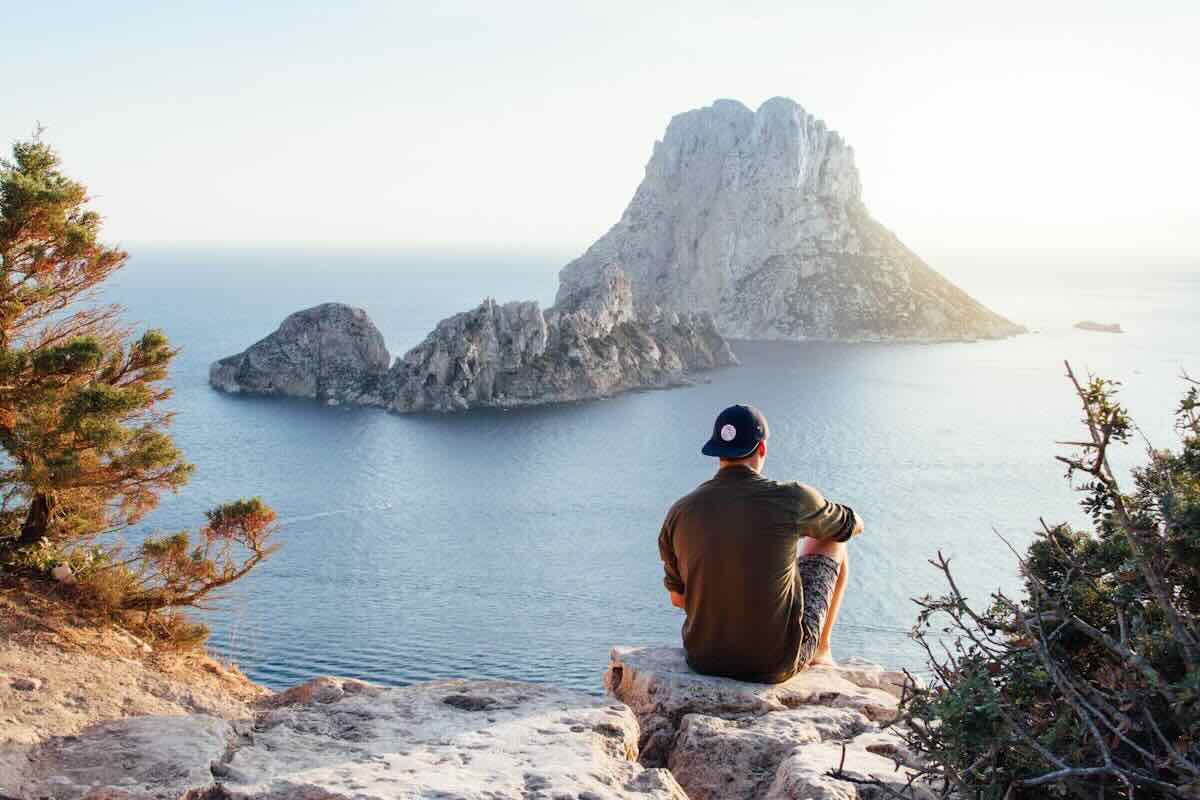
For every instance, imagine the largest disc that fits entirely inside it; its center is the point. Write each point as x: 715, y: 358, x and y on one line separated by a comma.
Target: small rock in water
x: 1099, y: 327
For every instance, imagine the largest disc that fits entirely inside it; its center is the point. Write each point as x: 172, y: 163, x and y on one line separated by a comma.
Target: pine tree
x: 82, y: 423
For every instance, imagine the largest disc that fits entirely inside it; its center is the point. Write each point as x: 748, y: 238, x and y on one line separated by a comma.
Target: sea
x: 522, y: 544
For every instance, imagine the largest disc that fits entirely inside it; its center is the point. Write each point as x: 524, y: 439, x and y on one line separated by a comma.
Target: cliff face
x: 758, y: 219
x: 589, y: 345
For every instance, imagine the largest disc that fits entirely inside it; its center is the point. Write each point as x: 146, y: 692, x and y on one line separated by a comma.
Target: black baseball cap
x: 736, y: 433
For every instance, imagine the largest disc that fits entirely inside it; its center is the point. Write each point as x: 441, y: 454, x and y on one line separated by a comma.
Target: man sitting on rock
x: 757, y: 609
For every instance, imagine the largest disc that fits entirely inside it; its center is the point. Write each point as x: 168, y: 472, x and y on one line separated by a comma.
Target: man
x: 756, y: 609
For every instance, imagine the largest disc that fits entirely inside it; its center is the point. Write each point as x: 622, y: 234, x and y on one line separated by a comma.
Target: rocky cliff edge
x: 663, y: 732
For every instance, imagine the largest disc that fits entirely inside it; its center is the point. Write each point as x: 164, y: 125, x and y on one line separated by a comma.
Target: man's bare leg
x: 823, y: 656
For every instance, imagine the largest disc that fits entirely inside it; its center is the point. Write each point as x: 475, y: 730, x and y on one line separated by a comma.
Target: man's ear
x: 762, y: 449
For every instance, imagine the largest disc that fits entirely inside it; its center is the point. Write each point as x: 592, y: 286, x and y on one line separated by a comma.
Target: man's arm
x: 671, y: 577
x: 821, y: 519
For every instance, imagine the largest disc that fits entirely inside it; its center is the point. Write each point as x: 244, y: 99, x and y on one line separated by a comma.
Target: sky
x: 981, y: 130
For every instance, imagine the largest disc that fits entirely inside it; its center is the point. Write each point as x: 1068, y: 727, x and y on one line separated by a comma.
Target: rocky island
x: 757, y: 217
x: 747, y: 225
x: 589, y: 345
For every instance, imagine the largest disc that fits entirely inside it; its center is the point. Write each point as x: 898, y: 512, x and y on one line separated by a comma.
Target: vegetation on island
x: 83, y: 427
x: 1087, y: 685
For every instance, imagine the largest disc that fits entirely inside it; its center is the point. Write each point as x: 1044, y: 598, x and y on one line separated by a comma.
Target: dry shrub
x: 1088, y: 686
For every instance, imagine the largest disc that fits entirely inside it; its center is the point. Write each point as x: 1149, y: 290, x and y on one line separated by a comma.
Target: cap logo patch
x: 728, y: 433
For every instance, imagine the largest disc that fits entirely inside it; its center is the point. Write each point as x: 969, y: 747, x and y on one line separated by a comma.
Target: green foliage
x: 82, y: 427
x: 1089, y: 684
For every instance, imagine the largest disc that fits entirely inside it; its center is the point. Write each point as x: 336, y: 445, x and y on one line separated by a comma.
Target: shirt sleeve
x: 822, y: 519
x: 671, y: 577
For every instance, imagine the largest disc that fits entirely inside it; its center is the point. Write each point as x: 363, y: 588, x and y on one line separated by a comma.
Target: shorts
x: 818, y: 577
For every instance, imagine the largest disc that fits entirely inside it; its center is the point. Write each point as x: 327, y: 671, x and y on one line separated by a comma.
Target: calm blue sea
x: 523, y: 544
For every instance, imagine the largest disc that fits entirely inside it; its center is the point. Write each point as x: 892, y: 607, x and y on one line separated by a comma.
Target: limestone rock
x: 463, y: 739
x: 151, y: 756
x: 589, y: 345
x: 660, y: 688
x: 739, y: 756
x: 757, y: 218
x: 331, y: 353
x: 723, y: 738
x: 806, y: 775
x: 335, y: 738
x: 863, y: 673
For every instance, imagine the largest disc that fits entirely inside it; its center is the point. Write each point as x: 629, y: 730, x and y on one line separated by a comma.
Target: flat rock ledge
x: 664, y: 732
x: 724, y: 738
x: 336, y: 739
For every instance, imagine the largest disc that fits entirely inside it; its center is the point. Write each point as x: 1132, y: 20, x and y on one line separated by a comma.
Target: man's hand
x: 677, y: 600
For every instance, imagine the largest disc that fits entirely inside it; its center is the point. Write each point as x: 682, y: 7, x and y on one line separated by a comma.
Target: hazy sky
x: 978, y: 127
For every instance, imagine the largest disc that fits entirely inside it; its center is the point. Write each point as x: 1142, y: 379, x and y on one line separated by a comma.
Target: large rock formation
x: 331, y: 353
x: 589, y: 345
x: 758, y: 218
x: 747, y: 225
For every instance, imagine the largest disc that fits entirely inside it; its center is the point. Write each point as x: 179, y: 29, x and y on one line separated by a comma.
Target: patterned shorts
x: 818, y: 576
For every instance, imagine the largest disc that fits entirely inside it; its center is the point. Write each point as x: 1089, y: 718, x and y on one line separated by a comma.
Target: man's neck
x: 738, y: 465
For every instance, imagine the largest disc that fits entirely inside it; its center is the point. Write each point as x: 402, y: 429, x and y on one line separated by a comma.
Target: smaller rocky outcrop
x: 1099, y: 327
x: 589, y: 345
x: 723, y: 738
x: 331, y: 353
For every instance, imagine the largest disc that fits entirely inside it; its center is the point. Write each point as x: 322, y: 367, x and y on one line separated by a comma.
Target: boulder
x: 738, y: 756
x: 658, y: 685
x: 331, y: 353
x: 723, y: 738
x: 757, y: 218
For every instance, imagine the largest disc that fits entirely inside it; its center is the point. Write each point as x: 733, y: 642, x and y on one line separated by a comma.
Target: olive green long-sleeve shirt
x: 730, y: 549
